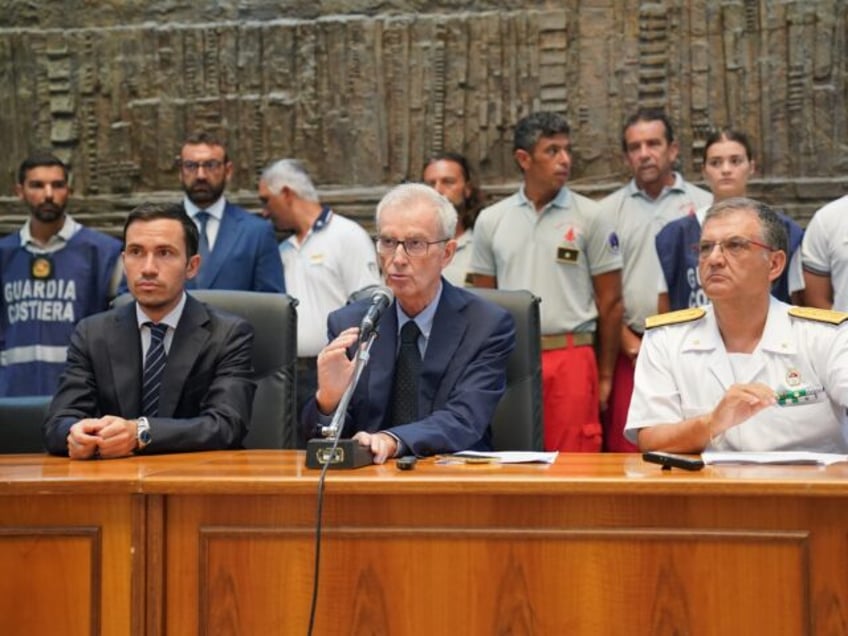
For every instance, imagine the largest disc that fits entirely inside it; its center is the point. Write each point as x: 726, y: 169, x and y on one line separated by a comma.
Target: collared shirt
x: 554, y: 254
x: 637, y: 218
x: 424, y: 320
x: 55, y: 243
x: 335, y: 259
x: 683, y: 371
x: 171, y: 319
x: 213, y: 223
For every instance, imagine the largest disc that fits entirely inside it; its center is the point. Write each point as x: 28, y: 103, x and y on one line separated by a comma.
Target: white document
x: 773, y: 457
x: 507, y: 457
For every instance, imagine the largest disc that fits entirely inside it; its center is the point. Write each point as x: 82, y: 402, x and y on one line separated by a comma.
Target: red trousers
x: 615, y: 416
x: 570, y: 400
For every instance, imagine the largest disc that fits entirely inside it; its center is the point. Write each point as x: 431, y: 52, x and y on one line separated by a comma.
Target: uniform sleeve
x: 656, y: 395
x: 482, y: 252
x: 603, y: 249
x: 815, y: 248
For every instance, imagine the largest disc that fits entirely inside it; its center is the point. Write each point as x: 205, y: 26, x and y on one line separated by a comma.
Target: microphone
x: 381, y: 298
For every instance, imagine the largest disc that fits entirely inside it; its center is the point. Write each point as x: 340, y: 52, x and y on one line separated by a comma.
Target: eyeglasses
x: 211, y: 165
x: 413, y: 247
x: 734, y: 247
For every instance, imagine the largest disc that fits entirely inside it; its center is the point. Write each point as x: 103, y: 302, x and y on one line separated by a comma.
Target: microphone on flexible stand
x: 331, y: 451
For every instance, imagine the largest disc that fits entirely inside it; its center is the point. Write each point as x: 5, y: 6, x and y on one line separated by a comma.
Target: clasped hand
x: 108, y: 436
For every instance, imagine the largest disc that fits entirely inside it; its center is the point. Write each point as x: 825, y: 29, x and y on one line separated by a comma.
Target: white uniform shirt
x: 336, y: 258
x: 683, y: 371
x: 637, y: 219
x: 825, y: 248
x: 553, y: 253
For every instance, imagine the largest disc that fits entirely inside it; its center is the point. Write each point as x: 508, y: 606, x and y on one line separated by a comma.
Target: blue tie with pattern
x: 407, y: 372
x: 154, y: 365
x: 202, y: 218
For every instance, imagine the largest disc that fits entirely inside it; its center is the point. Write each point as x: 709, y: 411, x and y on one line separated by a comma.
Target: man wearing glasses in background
x: 238, y: 250
x: 748, y: 372
x: 438, y: 366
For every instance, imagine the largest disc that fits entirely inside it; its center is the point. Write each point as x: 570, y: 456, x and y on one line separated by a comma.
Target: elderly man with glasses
x: 238, y: 250
x: 748, y: 372
x: 438, y: 366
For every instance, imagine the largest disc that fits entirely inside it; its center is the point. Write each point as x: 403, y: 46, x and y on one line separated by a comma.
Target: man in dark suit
x: 162, y: 374
x: 438, y: 368
x: 238, y: 249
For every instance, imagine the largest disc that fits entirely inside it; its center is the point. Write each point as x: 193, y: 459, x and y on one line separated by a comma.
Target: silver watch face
x: 144, y: 436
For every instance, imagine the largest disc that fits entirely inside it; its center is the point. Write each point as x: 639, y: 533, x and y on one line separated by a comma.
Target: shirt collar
x: 323, y: 219
x: 561, y: 200
x: 634, y: 191
x: 215, y: 210
x: 171, y: 319
x: 424, y: 319
x: 68, y: 229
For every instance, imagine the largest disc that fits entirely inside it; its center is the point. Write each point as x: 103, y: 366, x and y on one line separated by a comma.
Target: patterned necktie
x: 202, y: 218
x: 154, y: 365
x: 407, y: 372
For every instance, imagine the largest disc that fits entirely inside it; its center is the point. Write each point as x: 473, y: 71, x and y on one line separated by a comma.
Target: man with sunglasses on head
x: 438, y: 366
x: 747, y: 372
x: 238, y: 250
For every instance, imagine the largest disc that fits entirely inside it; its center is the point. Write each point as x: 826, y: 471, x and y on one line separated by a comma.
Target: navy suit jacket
x: 207, y: 388
x: 245, y: 256
x: 462, y: 378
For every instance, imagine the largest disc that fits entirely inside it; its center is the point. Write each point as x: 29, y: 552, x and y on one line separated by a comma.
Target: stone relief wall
x: 364, y: 92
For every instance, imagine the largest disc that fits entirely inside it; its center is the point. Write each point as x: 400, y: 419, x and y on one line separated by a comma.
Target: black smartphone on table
x: 673, y: 460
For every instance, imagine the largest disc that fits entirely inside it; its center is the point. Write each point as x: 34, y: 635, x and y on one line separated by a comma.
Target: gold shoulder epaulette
x: 819, y: 315
x: 675, y: 317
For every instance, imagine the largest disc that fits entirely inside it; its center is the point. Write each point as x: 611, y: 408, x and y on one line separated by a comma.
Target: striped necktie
x: 154, y: 365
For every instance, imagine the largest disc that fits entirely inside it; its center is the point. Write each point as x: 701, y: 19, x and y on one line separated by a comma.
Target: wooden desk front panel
x: 68, y: 564
x: 485, y: 564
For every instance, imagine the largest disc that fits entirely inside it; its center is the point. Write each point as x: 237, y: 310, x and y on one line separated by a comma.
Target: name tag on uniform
x: 567, y: 255
x: 316, y: 259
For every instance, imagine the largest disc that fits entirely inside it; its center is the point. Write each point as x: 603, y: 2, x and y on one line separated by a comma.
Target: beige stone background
x: 364, y: 91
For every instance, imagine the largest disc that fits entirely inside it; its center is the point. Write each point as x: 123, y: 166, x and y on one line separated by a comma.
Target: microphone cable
x: 319, y: 517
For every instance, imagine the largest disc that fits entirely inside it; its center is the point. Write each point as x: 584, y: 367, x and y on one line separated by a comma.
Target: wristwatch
x: 142, y: 430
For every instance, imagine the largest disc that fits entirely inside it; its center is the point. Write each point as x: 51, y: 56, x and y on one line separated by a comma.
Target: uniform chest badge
x: 793, y: 377
x: 41, y: 267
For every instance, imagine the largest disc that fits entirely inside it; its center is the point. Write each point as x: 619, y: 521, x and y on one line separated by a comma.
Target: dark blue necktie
x: 154, y: 365
x: 202, y: 218
x: 407, y: 372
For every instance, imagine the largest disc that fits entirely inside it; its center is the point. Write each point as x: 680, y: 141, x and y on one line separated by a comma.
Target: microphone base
x: 348, y: 454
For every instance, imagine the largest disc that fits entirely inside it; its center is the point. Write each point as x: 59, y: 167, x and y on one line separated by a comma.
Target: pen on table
x: 463, y: 459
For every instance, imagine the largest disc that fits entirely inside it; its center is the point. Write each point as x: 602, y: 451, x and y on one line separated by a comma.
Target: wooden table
x: 223, y: 543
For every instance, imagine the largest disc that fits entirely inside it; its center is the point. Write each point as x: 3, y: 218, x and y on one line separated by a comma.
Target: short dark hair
x: 174, y: 211
x: 773, y: 229
x: 534, y: 126
x: 204, y: 138
x: 729, y: 134
x: 37, y: 160
x: 474, y: 201
x: 647, y: 114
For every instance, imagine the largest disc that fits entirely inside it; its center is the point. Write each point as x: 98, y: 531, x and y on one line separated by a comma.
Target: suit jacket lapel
x: 124, y: 354
x: 381, y: 370
x: 449, y: 327
x: 190, y: 338
x: 224, y: 245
